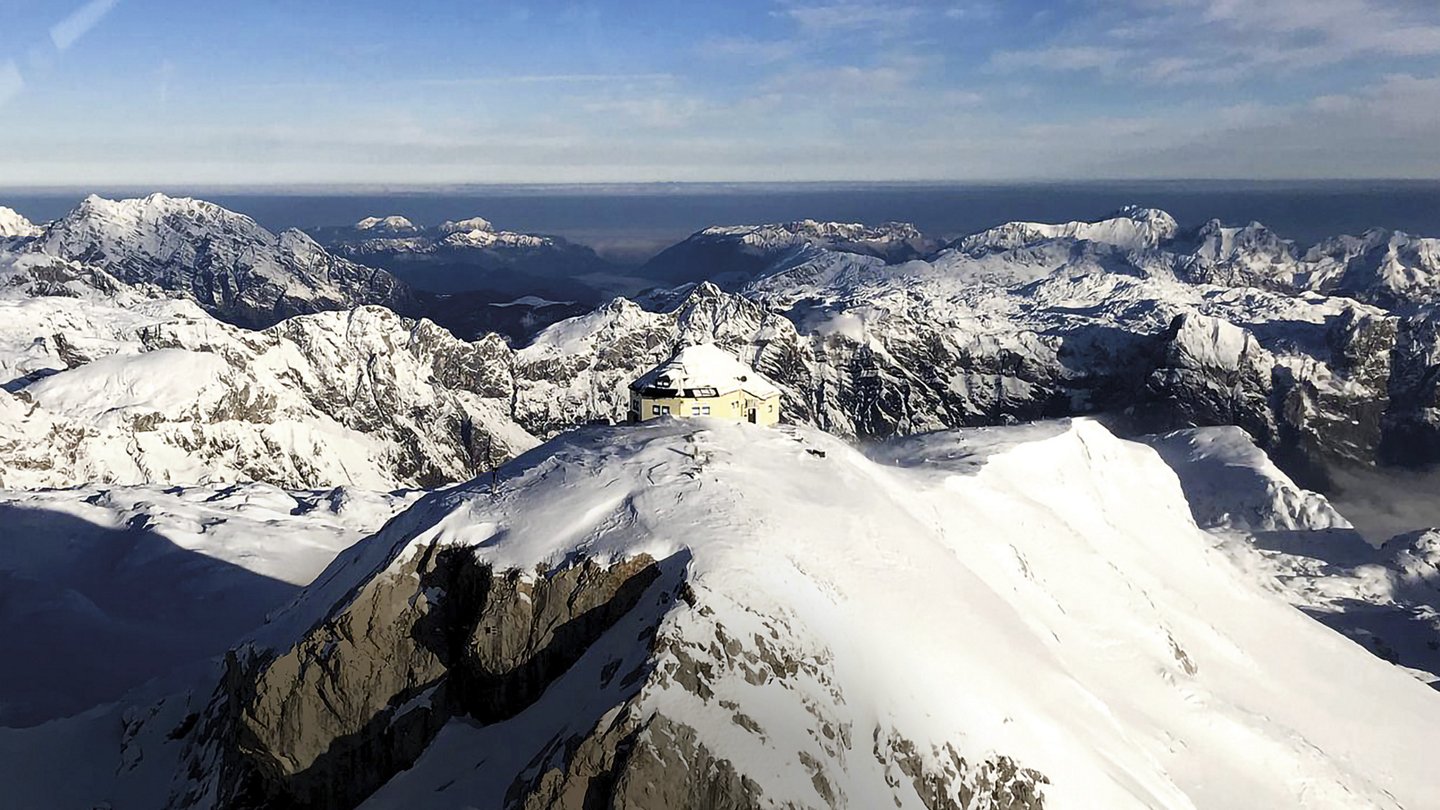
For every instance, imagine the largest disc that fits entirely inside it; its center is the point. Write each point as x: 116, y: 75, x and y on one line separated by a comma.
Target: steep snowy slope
x: 711, y: 615
x: 15, y: 226
x: 1387, y: 268
x: 226, y: 262
x: 1386, y: 598
x: 114, y: 387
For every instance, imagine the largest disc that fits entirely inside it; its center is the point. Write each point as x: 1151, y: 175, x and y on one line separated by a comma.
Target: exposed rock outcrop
x: 326, y: 722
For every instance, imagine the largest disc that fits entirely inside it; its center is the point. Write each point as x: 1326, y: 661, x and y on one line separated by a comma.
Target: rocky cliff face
x: 360, y: 698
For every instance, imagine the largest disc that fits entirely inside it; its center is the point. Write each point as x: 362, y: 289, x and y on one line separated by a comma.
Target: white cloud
x: 1195, y: 42
x: 840, y: 80
x: 973, y: 11
x: 69, y: 30
x: 748, y: 49
x: 1060, y: 57
x: 1335, y: 29
x: 539, y: 78
x: 850, y: 15
x: 651, y: 113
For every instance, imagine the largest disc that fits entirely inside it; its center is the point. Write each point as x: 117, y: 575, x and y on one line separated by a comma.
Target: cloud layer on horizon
x: 756, y: 90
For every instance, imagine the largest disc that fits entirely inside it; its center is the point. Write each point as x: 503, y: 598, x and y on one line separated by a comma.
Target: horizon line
x: 406, y: 187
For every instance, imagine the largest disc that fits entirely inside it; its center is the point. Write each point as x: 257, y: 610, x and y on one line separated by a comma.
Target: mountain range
x: 1098, y: 452
x: 1128, y: 316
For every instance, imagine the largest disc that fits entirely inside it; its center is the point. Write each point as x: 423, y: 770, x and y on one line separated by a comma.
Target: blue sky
x: 159, y: 91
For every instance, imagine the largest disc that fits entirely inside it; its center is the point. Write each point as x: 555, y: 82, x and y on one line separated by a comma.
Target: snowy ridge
x: 1110, y: 655
x: 1252, y: 255
x: 471, y: 256
x: 396, y: 234
x: 1388, y: 268
x: 393, y: 225
x: 466, y: 225
x: 1232, y: 485
x: 1386, y: 599
x: 731, y: 256
x: 494, y: 239
x: 15, y: 226
x: 867, y: 347
x: 136, y: 392
x: 780, y: 236
x: 226, y: 262
x: 1133, y: 228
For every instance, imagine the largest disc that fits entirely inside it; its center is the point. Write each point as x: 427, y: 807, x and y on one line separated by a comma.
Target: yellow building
x: 705, y: 380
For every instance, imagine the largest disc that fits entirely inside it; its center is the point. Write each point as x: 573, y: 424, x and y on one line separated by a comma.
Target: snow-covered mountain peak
x: 151, y: 206
x: 389, y: 225
x: 156, y: 227
x: 482, y: 238
x: 13, y: 225
x: 735, y: 255
x: 654, y: 591
x: 1392, y: 269
x: 466, y: 225
x: 1249, y: 255
x: 1159, y: 219
x: 1131, y: 228
x: 148, y: 235
x: 777, y: 236
x: 224, y: 260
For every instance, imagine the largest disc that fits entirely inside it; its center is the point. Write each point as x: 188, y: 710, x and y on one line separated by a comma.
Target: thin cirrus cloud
x: 69, y: 30
x: 850, y: 16
x: 63, y: 35
x: 1059, y: 57
x: 1222, y: 41
x: 757, y: 89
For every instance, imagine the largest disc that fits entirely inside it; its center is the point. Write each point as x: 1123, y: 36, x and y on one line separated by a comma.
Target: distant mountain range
x: 470, y: 255
x: 1328, y: 356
